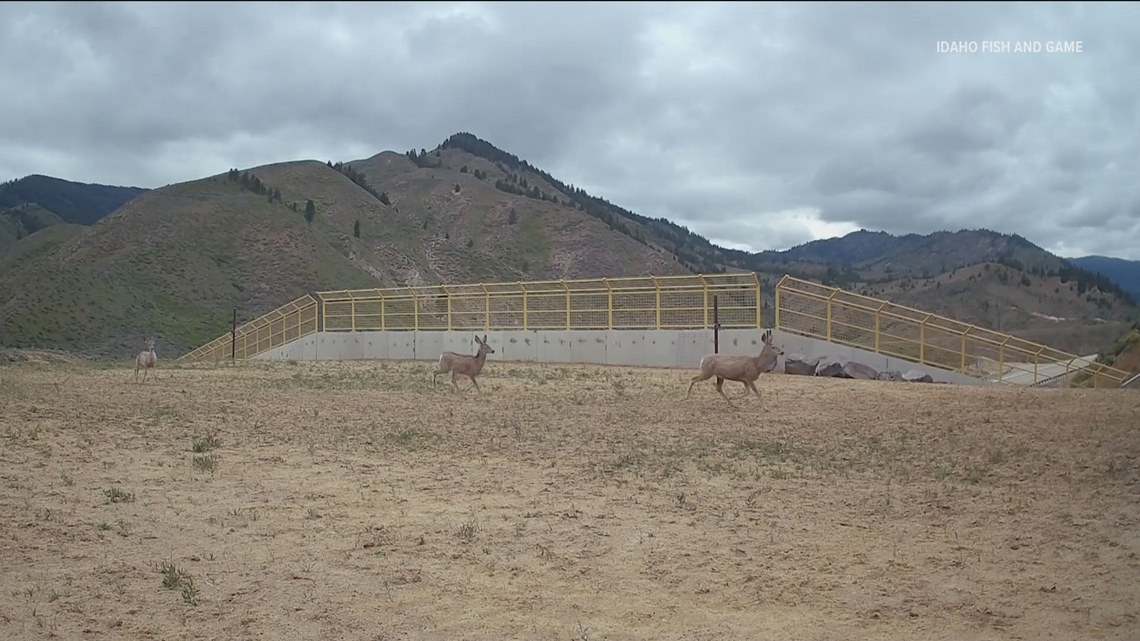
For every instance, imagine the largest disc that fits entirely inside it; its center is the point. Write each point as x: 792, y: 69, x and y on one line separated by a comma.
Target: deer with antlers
x: 742, y: 369
x: 146, y: 360
x: 464, y: 364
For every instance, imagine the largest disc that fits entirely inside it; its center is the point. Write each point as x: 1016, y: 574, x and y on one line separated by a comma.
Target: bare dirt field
x: 351, y: 501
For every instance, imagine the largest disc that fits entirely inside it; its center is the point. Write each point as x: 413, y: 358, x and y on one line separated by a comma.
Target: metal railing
x: 879, y: 326
x: 287, y: 323
x: 654, y: 302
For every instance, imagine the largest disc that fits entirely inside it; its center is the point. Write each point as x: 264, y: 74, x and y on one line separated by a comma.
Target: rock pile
x: 799, y: 365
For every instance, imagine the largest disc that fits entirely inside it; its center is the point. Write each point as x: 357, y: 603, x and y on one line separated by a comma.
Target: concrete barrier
x: 633, y: 348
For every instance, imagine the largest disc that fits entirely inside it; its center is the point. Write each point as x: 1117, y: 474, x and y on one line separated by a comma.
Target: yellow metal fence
x: 665, y: 302
x: 847, y: 318
x: 287, y: 323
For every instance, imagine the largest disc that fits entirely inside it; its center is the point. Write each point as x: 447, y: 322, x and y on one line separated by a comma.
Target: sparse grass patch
x: 175, y: 578
x: 201, y: 444
x: 468, y: 530
x: 207, y: 463
x: 413, y: 437
x: 771, y: 450
x: 172, y: 576
x: 118, y: 495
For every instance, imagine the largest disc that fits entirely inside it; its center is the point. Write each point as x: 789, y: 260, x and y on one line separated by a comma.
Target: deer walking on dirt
x: 146, y: 360
x: 464, y: 364
x: 742, y: 369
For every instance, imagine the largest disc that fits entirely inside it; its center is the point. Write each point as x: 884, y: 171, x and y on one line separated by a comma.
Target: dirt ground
x: 351, y: 501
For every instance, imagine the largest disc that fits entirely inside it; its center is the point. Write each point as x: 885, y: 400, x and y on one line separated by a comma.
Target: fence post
x: 447, y: 295
x: 568, y: 303
x: 922, y: 340
x: 833, y: 293
x: 716, y: 326
x: 777, y: 302
x: 657, y: 288
x: 965, y: 334
x: 609, y: 303
x: 233, y: 337
x: 705, y: 299
x: 759, y: 306
x: 486, y: 307
x: 878, y: 325
x: 1001, y: 360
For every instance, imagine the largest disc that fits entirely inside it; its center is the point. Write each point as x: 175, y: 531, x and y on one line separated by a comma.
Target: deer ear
x: 484, y: 338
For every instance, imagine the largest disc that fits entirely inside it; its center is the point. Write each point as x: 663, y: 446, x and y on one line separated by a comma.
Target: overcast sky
x: 761, y: 126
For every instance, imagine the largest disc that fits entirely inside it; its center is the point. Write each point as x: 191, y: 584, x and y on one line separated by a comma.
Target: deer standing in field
x: 742, y: 369
x: 146, y: 360
x: 463, y: 364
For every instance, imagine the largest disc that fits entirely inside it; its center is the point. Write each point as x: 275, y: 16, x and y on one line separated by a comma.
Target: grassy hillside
x: 1124, y: 354
x: 23, y: 253
x: 20, y: 222
x: 175, y: 261
x: 461, y: 213
x: 172, y: 263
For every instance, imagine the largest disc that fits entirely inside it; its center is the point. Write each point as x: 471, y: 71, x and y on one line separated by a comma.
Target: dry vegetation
x: 351, y: 501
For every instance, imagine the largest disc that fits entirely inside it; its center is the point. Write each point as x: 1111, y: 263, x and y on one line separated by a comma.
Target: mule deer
x: 146, y: 360
x: 463, y: 364
x: 742, y: 369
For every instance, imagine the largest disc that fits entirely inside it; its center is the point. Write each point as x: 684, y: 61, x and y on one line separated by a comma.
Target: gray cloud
x: 759, y: 125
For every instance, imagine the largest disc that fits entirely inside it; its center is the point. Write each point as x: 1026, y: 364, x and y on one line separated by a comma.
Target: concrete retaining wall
x: 649, y: 348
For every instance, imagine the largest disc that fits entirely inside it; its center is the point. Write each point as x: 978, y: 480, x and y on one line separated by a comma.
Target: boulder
x: 892, y: 375
x: 800, y: 365
x: 830, y: 368
x: 853, y: 369
x: 915, y: 376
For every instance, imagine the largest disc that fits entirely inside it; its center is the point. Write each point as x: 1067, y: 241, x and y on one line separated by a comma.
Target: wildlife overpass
x: 667, y: 321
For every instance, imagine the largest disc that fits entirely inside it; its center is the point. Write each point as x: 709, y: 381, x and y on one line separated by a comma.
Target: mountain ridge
x: 1123, y: 272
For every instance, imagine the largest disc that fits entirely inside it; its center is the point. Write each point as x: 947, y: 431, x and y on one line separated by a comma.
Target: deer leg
x: 720, y: 389
x: 476, y: 384
x: 453, y: 383
x: 697, y: 379
x: 752, y: 386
